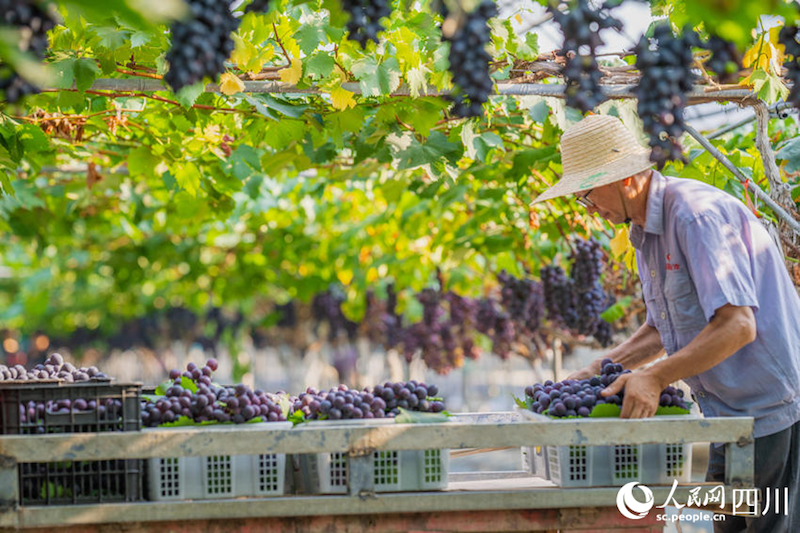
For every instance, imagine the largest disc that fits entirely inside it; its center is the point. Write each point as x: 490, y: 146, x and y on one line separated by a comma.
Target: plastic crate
x: 217, y: 476
x: 598, y: 466
x: 33, y: 408
x: 75, y: 482
x: 393, y: 471
x: 534, y: 461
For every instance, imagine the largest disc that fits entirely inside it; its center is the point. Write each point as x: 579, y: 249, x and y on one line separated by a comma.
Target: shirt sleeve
x: 720, y: 263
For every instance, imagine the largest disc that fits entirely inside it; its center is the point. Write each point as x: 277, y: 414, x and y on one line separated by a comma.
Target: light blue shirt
x: 700, y: 249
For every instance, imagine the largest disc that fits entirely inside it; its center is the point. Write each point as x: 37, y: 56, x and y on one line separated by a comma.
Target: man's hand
x: 587, y: 372
x: 642, y: 394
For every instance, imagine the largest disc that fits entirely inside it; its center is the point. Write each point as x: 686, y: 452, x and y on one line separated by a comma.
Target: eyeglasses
x: 584, y: 199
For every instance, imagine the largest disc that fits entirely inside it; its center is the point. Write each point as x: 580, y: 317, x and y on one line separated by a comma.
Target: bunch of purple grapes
x: 34, y: 23
x: 33, y: 412
x: 54, y: 367
x: 497, y: 325
x: 201, y: 43
x: 327, y: 307
x: 725, y: 59
x: 574, y: 397
x: 381, y: 401
x: 666, y: 78
x: 788, y: 38
x: 589, y: 305
x: 581, y: 25
x: 209, y: 402
x: 469, y: 60
x: 588, y: 299
x: 523, y: 300
x: 558, y: 295
x: 587, y: 263
x: 442, y: 335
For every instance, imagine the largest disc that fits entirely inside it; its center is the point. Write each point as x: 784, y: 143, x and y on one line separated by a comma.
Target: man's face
x: 607, y: 202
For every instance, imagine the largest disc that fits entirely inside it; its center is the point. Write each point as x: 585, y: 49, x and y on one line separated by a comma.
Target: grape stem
x: 278, y: 40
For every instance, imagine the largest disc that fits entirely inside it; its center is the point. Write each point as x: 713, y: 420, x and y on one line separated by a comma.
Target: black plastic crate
x: 39, y: 408
x: 74, y: 482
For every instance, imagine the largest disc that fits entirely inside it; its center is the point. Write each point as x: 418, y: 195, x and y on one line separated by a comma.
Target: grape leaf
x: 161, y: 390
x: 789, y: 151
x: 188, y: 384
x: 319, y: 65
x: 188, y: 95
x: 377, y: 79
x: 296, y: 418
x: 617, y: 310
x: 436, y: 147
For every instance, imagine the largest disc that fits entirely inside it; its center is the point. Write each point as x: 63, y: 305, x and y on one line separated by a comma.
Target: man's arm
x: 640, y: 348
x: 731, y: 328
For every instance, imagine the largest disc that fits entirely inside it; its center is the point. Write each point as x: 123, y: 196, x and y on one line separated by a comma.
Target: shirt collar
x: 654, y: 214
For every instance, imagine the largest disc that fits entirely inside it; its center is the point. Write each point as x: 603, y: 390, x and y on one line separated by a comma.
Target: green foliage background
x: 200, y: 199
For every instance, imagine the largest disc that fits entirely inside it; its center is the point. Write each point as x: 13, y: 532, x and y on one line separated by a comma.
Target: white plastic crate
x: 534, y: 460
x: 218, y: 476
x: 598, y: 466
x: 393, y: 471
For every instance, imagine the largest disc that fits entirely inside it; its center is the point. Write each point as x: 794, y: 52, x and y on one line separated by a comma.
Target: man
x: 719, y: 302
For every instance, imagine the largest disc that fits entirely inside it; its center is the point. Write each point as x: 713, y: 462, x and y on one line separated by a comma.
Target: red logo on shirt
x: 672, y: 266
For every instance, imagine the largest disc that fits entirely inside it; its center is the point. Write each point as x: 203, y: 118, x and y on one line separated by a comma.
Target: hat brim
x: 606, y: 174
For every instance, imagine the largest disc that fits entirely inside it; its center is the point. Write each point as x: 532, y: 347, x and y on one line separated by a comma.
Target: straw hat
x: 597, y: 151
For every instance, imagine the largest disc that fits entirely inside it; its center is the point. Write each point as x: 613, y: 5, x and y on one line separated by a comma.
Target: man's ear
x: 628, y: 181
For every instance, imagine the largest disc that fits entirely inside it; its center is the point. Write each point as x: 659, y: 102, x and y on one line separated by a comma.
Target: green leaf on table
x: 285, y: 404
x: 671, y: 410
x: 296, y: 418
x: 182, y: 420
x: 526, y: 403
x: 161, y: 390
x: 188, y: 384
x: 605, y: 410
